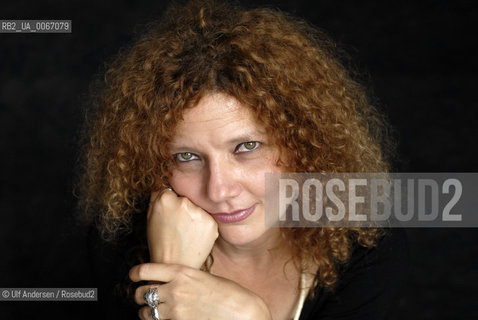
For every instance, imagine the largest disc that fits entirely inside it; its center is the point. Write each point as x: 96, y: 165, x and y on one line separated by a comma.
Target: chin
x: 242, y: 235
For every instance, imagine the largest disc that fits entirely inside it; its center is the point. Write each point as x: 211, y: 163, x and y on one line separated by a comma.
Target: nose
x: 222, y: 183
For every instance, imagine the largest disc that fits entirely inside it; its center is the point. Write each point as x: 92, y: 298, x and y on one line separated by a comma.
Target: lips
x: 234, y: 216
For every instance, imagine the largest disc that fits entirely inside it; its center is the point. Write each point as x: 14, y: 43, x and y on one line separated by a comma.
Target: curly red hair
x: 282, y: 68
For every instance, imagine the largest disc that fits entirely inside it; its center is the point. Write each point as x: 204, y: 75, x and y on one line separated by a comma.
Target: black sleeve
x: 368, y: 285
x: 109, y: 270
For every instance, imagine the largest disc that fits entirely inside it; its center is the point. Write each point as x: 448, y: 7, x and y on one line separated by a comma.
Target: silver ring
x: 151, y: 297
x: 155, y: 313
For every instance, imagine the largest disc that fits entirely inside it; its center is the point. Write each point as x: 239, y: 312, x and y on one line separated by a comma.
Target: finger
x: 158, y: 196
x: 154, y: 272
x: 141, y: 291
x: 152, y: 199
x: 169, y: 192
x: 155, y: 195
x: 144, y: 313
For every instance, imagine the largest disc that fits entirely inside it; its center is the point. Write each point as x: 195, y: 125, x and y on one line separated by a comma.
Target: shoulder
x: 368, y: 284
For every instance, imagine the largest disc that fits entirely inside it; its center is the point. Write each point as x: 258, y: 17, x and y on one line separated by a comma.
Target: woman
x: 191, y: 118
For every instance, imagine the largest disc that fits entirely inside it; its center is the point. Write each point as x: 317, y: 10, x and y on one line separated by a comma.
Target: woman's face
x: 221, y: 155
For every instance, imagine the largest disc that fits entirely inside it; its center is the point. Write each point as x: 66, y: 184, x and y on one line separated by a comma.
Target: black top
x: 368, y: 284
x: 367, y: 289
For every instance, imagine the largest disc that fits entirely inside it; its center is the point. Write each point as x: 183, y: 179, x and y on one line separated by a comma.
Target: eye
x: 185, y: 156
x: 247, y: 146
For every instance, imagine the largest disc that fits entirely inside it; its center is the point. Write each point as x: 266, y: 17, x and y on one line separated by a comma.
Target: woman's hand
x: 193, y: 294
x: 179, y: 232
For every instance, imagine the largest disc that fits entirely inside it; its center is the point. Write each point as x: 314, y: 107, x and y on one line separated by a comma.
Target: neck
x: 269, y: 250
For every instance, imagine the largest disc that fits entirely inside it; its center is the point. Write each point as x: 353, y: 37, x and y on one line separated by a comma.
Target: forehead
x: 216, y: 111
x: 216, y: 107
x: 217, y: 119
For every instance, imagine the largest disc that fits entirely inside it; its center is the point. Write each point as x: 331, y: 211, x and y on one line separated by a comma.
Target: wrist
x: 172, y: 258
x: 163, y: 256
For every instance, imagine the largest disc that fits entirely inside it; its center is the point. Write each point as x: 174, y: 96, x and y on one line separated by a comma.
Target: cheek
x: 257, y: 180
x: 185, y: 185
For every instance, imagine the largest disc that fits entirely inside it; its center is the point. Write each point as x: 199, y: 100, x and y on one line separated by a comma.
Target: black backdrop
x: 418, y: 57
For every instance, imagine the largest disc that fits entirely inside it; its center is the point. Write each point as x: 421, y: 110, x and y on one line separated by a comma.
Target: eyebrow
x: 251, y: 136
x: 243, y: 138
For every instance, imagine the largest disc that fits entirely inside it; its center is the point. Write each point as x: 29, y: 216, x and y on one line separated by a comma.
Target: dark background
x: 418, y: 57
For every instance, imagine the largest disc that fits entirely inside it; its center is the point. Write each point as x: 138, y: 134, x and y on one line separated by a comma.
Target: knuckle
x: 132, y: 274
x: 137, y: 296
x: 163, y: 199
x: 180, y: 278
x: 153, y: 197
x: 184, y: 274
x: 174, y: 293
x: 177, y: 312
x: 184, y: 202
x: 212, y: 223
x: 174, y: 313
x: 142, y: 271
x: 179, y: 269
x: 144, y: 313
x: 166, y: 200
x: 213, y: 227
x: 156, y: 205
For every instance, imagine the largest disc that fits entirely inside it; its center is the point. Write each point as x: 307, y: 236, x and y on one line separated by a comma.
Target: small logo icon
x: 5, y: 293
